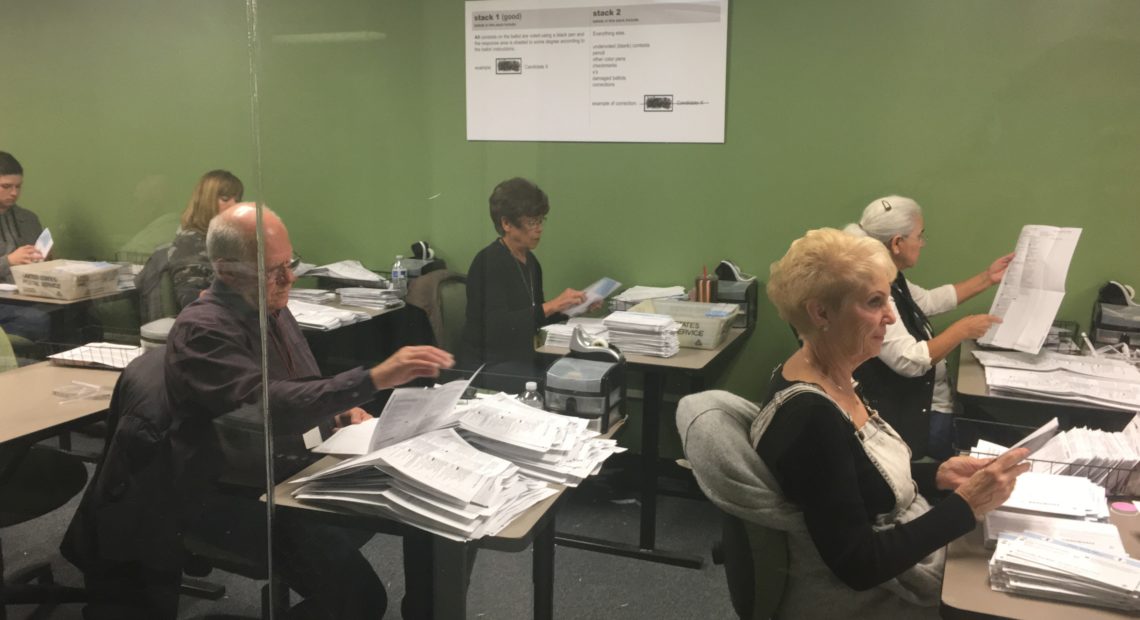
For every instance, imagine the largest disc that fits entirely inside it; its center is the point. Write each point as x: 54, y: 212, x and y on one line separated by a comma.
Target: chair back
x: 156, y: 287
x: 714, y: 429
x: 453, y: 310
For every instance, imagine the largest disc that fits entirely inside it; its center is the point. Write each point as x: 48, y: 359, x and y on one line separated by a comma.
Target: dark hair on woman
x: 515, y: 199
x: 9, y: 165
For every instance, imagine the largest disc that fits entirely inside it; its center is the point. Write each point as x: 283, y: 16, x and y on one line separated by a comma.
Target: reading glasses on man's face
x: 281, y: 272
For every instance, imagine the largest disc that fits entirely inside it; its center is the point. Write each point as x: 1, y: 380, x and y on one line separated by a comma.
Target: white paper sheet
x: 1032, y: 289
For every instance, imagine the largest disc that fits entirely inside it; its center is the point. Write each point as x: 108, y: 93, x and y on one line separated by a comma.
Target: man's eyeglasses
x: 279, y: 273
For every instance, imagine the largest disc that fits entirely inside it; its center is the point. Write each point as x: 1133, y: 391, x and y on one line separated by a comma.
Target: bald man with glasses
x: 213, y: 368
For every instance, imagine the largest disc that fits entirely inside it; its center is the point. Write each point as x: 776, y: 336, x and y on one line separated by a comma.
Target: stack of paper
x: 634, y: 295
x: 1103, y: 382
x: 376, y: 298
x: 462, y: 470
x: 1050, y: 361
x: 324, y: 318
x: 1053, y: 494
x: 546, y: 446
x: 1094, y: 534
x: 1066, y: 385
x: 435, y: 481
x: 643, y: 334
x: 127, y: 273
x: 1034, y: 565
x: 98, y: 355
x: 342, y: 270
x: 312, y: 295
x: 1111, y: 460
x: 558, y: 335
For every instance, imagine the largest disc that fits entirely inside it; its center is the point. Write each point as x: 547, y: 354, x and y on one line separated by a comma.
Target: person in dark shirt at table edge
x: 505, y: 300
x: 19, y: 229
x: 213, y: 368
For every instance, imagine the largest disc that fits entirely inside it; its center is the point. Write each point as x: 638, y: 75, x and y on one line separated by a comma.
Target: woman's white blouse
x: 909, y: 356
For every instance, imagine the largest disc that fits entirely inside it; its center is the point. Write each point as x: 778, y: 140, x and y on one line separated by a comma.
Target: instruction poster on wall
x: 584, y: 71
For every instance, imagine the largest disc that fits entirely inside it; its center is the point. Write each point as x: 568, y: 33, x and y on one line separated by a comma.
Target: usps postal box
x: 703, y: 326
x: 66, y: 279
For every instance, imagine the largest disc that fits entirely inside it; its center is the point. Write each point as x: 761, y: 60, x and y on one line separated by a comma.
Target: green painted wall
x: 991, y: 114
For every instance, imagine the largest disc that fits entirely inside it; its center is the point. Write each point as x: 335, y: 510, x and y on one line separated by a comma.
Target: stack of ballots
x: 1034, y: 565
x: 460, y: 470
x: 546, y: 446
x: 634, y: 295
x: 324, y: 318
x: 312, y: 295
x: 1098, y: 381
x: 376, y: 298
x: 435, y: 481
x: 643, y: 334
x: 558, y: 334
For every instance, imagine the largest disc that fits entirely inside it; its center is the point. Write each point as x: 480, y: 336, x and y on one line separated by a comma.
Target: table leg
x: 653, y: 390
x: 543, y: 572
x: 449, y: 579
x: 654, y: 393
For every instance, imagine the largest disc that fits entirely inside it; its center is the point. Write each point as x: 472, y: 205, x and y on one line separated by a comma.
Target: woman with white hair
x: 837, y: 479
x: 907, y: 382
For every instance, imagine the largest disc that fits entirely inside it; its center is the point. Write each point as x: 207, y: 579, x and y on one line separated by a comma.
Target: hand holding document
x: 1032, y: 288
x: 595, y: 293
x: 44, y: 243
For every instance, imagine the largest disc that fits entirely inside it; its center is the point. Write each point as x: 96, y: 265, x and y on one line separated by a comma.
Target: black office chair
x: 126, y: 533
x: 35, y: 480
x: 755, y: 563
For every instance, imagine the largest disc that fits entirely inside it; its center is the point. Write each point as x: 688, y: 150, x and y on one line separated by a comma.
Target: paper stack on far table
x: 643, y: 334
x: 634, y: 295
x: 312, y: 295
x: 341, y: 270
x: 127, y: 273
x: 1034, y: 565
x: 376, y: 298
x: 324, y: 318
x: 558, y: 334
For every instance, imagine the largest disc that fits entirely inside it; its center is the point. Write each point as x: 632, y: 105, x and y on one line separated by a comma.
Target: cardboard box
x: 66, y: 279
x: 703, y: 326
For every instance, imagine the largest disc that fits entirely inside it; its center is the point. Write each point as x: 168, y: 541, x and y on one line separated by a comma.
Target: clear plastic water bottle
x: 400, y: 276
x: 531, y: 396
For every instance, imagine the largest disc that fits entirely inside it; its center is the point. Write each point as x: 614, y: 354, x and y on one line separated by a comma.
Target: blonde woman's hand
x: 991, y: 485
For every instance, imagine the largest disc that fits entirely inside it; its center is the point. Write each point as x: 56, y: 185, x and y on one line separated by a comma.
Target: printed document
x: 44, y: 243
x: 1032, y: 289
x: 594, y: 293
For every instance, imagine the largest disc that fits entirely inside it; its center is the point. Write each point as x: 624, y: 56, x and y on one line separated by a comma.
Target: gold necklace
x: 814, y: 362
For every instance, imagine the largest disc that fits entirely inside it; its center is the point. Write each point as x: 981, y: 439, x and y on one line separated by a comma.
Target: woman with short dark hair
x: 505, y: 300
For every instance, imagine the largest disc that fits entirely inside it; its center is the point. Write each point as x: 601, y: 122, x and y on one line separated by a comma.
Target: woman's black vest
x: 904, y: 402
